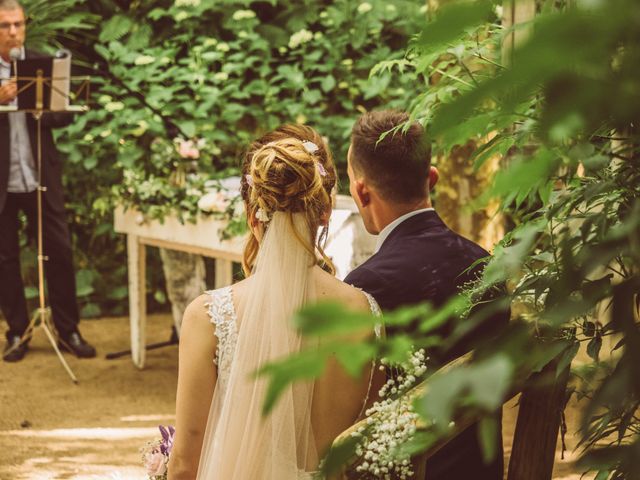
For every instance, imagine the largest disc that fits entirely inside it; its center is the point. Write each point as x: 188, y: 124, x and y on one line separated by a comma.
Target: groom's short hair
x: 395, y: 161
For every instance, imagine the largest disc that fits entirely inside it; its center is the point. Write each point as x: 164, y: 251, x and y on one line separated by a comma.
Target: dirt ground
x: 53, y: 429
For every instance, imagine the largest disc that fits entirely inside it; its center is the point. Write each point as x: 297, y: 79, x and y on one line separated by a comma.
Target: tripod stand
x: 42, y: 315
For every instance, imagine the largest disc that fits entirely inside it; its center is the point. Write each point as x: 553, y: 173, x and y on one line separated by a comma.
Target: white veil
x: 239, y: 444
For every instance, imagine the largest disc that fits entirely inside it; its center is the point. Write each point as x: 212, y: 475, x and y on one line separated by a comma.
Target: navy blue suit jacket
x: 423, y: 260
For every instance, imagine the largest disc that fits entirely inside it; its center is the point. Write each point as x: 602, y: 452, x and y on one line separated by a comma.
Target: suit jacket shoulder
x: 421, y: 260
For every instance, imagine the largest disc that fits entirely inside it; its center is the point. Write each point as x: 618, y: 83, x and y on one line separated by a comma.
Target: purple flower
x: 168, y: 435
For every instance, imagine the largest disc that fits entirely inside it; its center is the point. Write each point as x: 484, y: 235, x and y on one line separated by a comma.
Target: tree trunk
x: 458, y: 187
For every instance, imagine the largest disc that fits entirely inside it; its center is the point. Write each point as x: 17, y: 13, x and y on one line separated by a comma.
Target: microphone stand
x: 42, y: 316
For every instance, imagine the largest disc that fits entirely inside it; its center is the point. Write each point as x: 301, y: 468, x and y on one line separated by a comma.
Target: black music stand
x: 35, y: 89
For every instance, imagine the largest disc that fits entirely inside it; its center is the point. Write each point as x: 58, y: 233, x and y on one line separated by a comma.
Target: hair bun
x: 287, y: 175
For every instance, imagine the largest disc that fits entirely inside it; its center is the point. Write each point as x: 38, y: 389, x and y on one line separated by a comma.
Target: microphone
x: 15, y: 53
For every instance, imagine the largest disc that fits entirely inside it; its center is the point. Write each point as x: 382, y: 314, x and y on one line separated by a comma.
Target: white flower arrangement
x: 214, y: 202
x: 243, y: 15
x: 300, y: 37
x: 391, y: 423
x: 187, y: 3
x: 364, y: 7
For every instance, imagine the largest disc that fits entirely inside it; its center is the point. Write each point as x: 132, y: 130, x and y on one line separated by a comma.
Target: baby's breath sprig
x: 391, y: 422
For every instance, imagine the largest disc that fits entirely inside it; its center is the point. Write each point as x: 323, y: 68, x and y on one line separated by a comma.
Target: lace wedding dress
x: 240, y: 442
x: 223, y: 316
x: 222, y: 313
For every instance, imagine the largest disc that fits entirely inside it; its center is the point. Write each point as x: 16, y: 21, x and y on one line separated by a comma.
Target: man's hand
x: 8, y: 92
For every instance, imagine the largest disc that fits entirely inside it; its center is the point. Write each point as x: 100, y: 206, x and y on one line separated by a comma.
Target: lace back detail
x: 376, y: 311
x: 223, y: 316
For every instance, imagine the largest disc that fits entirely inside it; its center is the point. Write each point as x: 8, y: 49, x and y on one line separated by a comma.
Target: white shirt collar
x: 382, y: 236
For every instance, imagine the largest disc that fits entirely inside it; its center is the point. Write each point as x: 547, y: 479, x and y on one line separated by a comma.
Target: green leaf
x: 119, y: 293
x: 567, y: 357
x: 339, y: 455
x: 354, y: 356
x: 31, y: 292
x: 525, y: 173
x: 328, y: 83
x: 433, y: 320
x: 397, y: 348
x: 160, y: 297
x: 488, y: 433
x: 441, y: 397
x: 90, y: 310
x: 451, y: 22
x: 84, y: 282
x: 330, y: 318
x: 465, y: 131
x: 305, y: 365
x: 594, y: 346
x: 115, y: 28
x: 490, y: 381
x: 188, y: 127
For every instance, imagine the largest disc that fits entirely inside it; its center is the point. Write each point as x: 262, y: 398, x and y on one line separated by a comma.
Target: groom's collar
x: 384, y: 233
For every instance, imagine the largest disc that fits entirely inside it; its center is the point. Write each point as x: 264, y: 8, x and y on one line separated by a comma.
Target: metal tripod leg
x: 42, y: 315
x: 42, y: 318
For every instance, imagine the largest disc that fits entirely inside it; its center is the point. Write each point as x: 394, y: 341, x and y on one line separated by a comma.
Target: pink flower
x: 154, y: 463
x: 187, y: 149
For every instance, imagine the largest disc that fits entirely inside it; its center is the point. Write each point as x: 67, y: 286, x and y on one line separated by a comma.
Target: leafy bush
x: 564, y: 112
x: 218, y: 73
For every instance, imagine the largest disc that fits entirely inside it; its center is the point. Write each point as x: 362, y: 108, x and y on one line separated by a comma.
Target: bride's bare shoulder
x: 329, y: 287
x: 196, y: 312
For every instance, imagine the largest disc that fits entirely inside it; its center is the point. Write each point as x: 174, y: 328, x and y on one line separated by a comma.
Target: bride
x: 229, y: 333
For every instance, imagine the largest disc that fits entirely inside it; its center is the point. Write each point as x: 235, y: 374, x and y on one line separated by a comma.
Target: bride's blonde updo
x: 289, y: 170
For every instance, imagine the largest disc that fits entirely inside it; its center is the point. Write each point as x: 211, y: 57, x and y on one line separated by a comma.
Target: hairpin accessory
x: 321, y: 170
x: 262, y: 215
x: 310, y: 147
x: 249, y: 179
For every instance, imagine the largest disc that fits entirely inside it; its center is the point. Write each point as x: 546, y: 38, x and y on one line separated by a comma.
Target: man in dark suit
x: 18, y: 185
x: 417, y: 257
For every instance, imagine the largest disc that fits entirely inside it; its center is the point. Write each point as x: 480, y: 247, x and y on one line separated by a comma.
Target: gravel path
x: 53, y: 429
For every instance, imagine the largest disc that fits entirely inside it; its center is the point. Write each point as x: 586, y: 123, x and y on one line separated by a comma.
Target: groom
x: 417, y: 257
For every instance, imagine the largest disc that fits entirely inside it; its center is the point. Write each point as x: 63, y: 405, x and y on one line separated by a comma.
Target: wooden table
x: 203, y: 238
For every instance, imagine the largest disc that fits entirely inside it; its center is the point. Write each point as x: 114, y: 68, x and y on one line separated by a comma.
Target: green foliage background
x: 562, y: 111
x: 218, y: 71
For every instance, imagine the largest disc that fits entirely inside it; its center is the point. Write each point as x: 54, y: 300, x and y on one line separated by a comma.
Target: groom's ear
x: 434, y: 175
x: 363, y: 193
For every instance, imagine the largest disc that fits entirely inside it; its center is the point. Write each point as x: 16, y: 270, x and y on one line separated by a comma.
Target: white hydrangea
x: 181, y: 15
x: 391, y: 422
x: 221, y: 76
x: 298, y: 38
x: 243, y: 15
x: 114, y: 106
x: 187, y: 3
x: 364, y: 7
x: 144, y: 60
